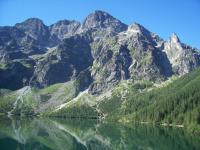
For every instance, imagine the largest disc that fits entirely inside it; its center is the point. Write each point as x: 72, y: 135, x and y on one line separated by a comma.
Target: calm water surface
x: 60, y: 134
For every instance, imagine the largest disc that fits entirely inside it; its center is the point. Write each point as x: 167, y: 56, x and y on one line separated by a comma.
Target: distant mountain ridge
x: 32, y: 53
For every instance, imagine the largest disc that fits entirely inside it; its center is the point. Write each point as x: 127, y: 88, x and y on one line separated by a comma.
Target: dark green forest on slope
x: 177, y: 103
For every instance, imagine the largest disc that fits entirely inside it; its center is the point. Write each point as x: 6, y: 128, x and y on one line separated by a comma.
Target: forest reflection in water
x: 78, y: 134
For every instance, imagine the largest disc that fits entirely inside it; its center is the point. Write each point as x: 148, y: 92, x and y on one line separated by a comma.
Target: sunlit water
x: 63, y: 134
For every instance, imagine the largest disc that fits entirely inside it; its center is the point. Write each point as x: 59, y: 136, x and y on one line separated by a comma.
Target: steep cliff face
x: 111, y: 64
x: 149, y: 62
x: 104, y: 50
x: 135, y: 54
x: 63, y: 62
x: 16, y: 75
x: 36, y: 29
x: 182, y: 57
x: 61, y: 30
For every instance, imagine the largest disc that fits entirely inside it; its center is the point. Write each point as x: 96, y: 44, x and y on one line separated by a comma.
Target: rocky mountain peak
x: 136, y: 32
x: 64, y: 28
x: 31, y: 21
x: 174, y: 43
x: 98, y: 16
x: 31, y: 24
x: 100, y: 13
x: 182, y: 57
x: 34, y: 28
x: 63, y: 23
x: 174, y: 38
x: 136, y: 28
x: 100, y: 19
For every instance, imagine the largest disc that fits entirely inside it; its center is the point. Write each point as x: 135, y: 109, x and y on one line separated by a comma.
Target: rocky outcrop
x: 102, y: 20
x: 63, y: 62
x: 36, y: 29
x: 63, y: 29
x: 148, y: 61
x: 111, y: 64
x: 182, y: 57
x: 100, y: 25
x: 15, y: 75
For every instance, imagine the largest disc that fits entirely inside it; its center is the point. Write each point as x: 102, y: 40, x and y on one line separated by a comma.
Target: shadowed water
x: 62, y: 134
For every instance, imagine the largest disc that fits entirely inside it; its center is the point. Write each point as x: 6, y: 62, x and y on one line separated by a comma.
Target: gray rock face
x: 111, y: 64
x: 100, y: 19
x: 62, y: 63
x: 63, y: 29
x: 36, y: 29
x: 99, y: 25
x: 15, y: 76
x: 149, y: 62
x: 98, y: 54
x: 182, y: 57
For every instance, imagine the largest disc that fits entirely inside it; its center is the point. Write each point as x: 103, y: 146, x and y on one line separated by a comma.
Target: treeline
x: 76, y: 111
x: 177, y: 103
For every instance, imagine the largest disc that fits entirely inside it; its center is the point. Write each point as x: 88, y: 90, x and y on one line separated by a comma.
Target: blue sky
x: 160, y: 16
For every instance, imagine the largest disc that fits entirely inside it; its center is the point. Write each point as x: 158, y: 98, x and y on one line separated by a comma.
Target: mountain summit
x: 34, y: 28
x: 174, y: 38
x: 102, y: 20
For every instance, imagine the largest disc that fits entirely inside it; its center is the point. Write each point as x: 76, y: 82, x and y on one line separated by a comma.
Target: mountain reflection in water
x: 74, y: 134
